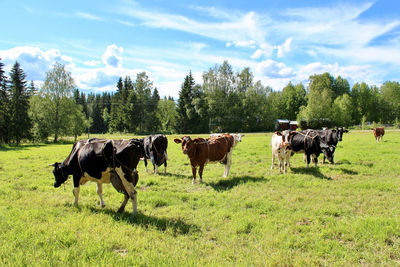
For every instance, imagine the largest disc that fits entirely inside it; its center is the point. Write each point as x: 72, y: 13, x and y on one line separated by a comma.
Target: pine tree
x: 19, y: 104
x: 4, y: 107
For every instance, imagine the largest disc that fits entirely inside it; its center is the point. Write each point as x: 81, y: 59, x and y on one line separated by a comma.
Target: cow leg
x: 145, y: 163
x: 75, y: 191
x: 129, y: 188
x: 273, y: 160
x: 100, y: 193
x: 194, y: 175
x: 165, y: 167
x: 201, y: 173
x: 315, y: 159
x: 126, y: 197
x: 308, y: 160
x: 228, y: 163
x: 155, y: 168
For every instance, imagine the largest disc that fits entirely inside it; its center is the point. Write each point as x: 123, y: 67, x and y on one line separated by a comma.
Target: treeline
x: 224, y: 101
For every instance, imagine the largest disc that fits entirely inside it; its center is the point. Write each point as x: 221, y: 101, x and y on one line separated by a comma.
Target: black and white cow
x: 339, y: 132
x: 102, y: 161
x: 309, y: 143
x: 331, y: 138
x: 155, y: 149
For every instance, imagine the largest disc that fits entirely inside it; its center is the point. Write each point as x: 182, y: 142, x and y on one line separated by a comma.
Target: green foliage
x: 20, y: 122
x: 58, y: 87
x: 341, y: 110
x: 344, y: 214
x: 5, y: 115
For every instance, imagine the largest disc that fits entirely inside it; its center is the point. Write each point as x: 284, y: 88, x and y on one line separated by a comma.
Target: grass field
x: 343, y: 214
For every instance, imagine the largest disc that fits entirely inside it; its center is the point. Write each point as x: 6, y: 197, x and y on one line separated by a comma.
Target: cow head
x: 328, y: 151
x: 285, y: 139
x: 339, y: 132
x: 59, y: 175
x: 188, y: 145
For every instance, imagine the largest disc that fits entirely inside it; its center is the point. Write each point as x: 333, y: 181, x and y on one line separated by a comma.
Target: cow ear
x: 278, y: 133
x: 176, y: 140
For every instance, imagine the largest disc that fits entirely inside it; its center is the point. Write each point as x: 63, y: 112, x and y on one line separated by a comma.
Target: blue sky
x: 281, y: 40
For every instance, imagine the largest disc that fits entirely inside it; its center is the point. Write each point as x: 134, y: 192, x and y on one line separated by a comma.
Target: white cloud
x: 273, y: 69
x: 34, y: 61
x: 112, y: 57
x: 250, y: 44
x: 88, y: 16
x: 284, y: 48
x: 92, y: 63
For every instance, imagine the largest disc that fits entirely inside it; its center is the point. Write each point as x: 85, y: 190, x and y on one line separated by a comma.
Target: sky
x: 281, y: 41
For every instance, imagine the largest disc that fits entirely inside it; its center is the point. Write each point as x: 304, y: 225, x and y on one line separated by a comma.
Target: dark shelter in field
x: 281, y: 125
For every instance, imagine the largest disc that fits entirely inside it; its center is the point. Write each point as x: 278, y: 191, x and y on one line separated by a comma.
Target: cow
x: 331, y: 138
x: 236, y: 137
x: 309, y: 143
x: 281, y: 150
x: 102, y: 161
x: 155, y: 149
x: 379, y: 132
x: 339, y: 132
x: 201, y: 151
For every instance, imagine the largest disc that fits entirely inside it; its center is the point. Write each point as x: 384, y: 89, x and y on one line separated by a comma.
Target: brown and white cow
x: 379, y: 132
x: 201, y: 151
x: 280, y: 149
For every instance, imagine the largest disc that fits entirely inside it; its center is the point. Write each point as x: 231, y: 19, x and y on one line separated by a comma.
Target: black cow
x: 102, y: 161
x: 339, y: 132
x: 331, y: 138
x: 309, y: 143
x: 155, y: 149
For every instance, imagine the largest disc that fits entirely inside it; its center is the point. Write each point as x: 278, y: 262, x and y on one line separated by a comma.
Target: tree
x: 185, y: 109
x: 342, y: 110
x: 19, y: 104
x: 318, y: 112
x: 58, y: 88
x: 391, y: 95
x: 5, y: 117
x: 293, y: 97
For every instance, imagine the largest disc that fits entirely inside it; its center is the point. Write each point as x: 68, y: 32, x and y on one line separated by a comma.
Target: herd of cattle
x: 115, y: 161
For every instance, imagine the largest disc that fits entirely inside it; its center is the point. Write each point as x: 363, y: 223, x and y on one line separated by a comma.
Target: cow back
x: 95, y: 157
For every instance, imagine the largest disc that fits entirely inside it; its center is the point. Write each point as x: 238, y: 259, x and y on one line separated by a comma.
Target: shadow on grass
x: 316, y: 172
x: 20, y: 147
x: 178, y: 226
x: 227, y: 184
x: 347, y: 171
x: 180, y: 176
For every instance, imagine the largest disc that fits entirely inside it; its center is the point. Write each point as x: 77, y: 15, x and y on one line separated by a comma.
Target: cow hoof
x: 193, y: 181
x: 120, y: 210
x: 103, y: 206
x: 201, y: 181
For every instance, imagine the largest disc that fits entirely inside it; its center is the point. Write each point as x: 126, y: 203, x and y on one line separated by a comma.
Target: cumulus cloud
x: 273, y: 69
x: 112, y: 57
x: 250, y: 44
x: 34, y: 61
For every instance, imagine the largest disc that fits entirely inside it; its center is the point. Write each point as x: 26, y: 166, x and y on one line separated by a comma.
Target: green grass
x: 342, y: 214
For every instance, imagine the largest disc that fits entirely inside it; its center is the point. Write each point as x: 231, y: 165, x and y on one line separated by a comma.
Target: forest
x: 224, y: 101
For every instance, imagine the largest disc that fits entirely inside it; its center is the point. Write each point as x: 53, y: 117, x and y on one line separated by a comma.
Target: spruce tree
x: 4, y: 108
x: 19, y: 104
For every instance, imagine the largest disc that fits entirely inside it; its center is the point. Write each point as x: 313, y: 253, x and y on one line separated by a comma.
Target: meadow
x: 336, y: 215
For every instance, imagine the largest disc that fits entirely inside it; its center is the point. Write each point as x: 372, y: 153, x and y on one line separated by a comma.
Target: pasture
x: 342, y: 214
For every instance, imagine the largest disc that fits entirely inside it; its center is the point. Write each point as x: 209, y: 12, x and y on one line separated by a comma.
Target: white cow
x: 281, y: 150
x: 236, y: 137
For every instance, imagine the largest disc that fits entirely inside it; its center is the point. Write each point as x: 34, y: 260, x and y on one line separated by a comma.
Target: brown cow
x: 201, y: 151
x: 379, y: 132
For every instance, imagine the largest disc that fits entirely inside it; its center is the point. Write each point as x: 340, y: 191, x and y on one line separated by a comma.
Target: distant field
x: 342, y: 214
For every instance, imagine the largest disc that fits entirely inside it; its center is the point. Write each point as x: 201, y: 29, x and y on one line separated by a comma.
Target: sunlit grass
x: 342, y: 214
